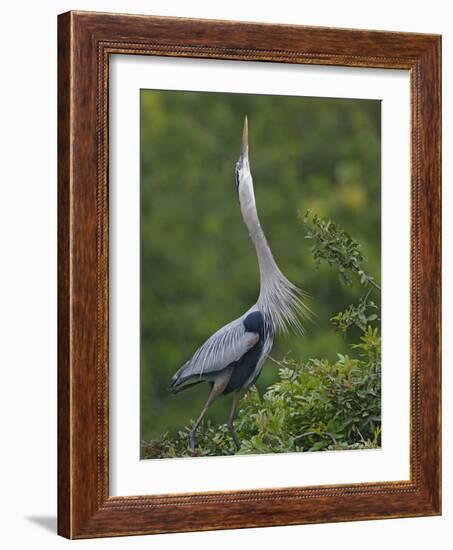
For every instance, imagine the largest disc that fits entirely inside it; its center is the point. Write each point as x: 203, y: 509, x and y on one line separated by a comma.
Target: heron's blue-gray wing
x: 224, y: 347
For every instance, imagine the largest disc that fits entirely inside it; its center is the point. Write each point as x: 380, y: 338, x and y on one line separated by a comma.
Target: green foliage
x: 317, y: 405
x: 334, y: 245
x: 212, y: 440
x: 356, y: 315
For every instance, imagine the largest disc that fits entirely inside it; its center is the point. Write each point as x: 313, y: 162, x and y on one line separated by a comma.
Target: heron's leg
x: 211, y: 398
x: 233, y: 433
x: 217, y: 388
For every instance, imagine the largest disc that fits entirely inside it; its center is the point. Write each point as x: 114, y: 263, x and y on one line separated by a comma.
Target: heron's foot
x: 234, y: 435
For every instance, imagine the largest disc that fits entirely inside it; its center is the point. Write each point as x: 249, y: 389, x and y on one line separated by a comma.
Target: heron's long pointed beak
x: 245, y: 139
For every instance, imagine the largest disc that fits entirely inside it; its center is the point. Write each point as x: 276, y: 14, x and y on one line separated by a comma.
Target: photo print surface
x: 260, y: 262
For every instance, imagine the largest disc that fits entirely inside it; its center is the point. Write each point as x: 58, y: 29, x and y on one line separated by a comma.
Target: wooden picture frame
x: 85, y: 42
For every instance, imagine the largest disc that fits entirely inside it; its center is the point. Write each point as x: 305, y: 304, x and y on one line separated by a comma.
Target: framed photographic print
x: 249, y: 275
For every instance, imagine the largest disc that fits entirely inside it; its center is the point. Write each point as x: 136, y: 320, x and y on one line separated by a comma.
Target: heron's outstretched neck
x: 267, y: 265
x: 280, y: 300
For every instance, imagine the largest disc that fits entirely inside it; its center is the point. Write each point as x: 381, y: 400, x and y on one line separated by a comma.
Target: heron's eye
x: 236, y: 177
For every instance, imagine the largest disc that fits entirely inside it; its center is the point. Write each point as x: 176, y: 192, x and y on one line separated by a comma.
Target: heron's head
x: 242, y: 170
x: 243, y: 176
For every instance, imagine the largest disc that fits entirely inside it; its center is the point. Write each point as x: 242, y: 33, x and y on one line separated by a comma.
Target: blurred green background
x: 198, y: 266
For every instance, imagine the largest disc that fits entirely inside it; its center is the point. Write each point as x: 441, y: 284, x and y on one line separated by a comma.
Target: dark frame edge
x: 431, y: 142
x: 64, y: 523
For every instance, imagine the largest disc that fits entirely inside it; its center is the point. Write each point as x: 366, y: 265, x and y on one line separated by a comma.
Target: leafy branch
x: 359, y: 315
x: 334, y: 245
x: 331, y: 243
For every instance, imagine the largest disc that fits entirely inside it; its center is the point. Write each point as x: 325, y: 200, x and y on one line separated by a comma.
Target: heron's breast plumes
x: 284, y: 304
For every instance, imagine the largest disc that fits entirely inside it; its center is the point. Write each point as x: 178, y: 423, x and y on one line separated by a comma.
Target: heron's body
x: 232, y: 358
x: 247, y: 369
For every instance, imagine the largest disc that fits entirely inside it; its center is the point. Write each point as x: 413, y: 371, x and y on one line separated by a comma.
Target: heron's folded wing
x: 224, y: 347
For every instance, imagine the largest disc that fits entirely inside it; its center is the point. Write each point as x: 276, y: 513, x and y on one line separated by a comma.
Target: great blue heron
x: 232, y: 358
